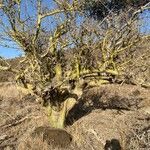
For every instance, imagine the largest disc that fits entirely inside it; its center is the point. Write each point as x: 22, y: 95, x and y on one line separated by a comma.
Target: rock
x: 54, y: 137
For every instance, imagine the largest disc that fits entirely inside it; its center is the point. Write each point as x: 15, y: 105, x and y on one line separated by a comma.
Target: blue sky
x: 11, y: 53
x: 145, y: 20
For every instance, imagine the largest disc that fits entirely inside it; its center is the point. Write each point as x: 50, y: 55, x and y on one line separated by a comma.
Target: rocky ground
x: 116, y: 116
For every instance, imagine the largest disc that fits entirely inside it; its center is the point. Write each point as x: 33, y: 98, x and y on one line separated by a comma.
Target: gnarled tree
x: 38, y: 30
x: 63, y: 51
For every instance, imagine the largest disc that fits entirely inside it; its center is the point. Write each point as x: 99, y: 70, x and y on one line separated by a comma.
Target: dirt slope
x: 129, y: 129
x: 109, y: 116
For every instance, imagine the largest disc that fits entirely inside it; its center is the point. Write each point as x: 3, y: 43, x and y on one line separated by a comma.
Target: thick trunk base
x: 57, y: 118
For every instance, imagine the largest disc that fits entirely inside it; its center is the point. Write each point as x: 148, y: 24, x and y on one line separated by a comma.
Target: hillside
x: 115, y: 116
x: 83, y: 81
x: 111, y: 115
x: 6, y: 76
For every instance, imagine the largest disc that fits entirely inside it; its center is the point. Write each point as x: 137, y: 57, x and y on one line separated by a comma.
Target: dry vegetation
x: 117, y: 113
x: 92, y: 78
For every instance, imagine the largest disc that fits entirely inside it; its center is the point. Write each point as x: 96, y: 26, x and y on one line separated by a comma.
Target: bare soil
x: 111, y: 116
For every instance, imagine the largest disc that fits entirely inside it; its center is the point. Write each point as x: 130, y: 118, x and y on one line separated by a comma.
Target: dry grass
x: 100, y: 126
x: 7, y: 76
x: 20, y: 116
x: 10, y: 91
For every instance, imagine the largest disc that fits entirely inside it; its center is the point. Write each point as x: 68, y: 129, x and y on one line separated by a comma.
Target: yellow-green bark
x: 57, y: 116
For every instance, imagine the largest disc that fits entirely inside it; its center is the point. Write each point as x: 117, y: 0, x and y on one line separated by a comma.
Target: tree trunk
x: 57, y: 116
